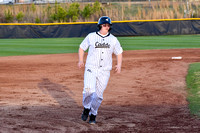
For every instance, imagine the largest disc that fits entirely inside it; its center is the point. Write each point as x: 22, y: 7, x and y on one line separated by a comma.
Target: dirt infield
x: 43, y: 93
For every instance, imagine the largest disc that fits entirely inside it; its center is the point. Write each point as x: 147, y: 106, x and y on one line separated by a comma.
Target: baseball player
x: 102, y: 44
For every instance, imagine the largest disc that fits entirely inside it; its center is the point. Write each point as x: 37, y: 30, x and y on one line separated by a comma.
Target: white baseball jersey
x: 100, y: 50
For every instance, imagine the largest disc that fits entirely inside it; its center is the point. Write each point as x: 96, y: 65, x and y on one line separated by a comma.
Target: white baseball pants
x: 95, y: 82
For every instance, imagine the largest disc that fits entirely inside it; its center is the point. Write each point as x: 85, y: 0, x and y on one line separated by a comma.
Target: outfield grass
x: 13, y: 47
x: 193, y: 83
x: 160, y: 42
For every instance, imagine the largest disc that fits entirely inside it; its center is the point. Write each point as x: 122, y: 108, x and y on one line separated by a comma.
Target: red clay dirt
x: 43, y: 93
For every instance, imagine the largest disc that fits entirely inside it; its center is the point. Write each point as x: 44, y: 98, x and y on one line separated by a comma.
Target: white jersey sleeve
x: 85, y: 43
x: 117, y: 49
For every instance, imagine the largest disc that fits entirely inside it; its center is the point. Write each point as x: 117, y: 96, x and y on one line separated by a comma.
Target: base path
x: 43, y: 93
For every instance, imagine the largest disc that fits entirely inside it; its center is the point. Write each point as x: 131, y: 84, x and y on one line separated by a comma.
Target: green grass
x: 13, y: 47
x: 160, y: 42
x: 193, y: 85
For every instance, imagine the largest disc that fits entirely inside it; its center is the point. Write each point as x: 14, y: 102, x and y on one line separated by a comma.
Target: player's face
x: 105, y: 27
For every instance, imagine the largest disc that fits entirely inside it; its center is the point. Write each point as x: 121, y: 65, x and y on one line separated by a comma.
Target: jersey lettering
x: 102, y: 45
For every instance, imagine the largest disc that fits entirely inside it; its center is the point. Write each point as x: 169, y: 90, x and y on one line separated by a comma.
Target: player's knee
x: 100, y: 96
x: 88, y: 91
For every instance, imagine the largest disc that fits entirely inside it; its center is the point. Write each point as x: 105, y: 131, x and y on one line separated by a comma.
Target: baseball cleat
x: 85, y: 114
x: 92, y: 119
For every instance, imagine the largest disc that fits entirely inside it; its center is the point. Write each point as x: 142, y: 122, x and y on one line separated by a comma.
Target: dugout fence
x: 119, y: 28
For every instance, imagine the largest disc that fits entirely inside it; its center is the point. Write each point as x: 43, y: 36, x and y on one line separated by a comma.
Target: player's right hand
x: 80, y: 64
x: 118, y: 68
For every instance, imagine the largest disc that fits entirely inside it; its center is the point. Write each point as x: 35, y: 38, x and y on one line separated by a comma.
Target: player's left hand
x: 118, y: 68
x: 80, y: 64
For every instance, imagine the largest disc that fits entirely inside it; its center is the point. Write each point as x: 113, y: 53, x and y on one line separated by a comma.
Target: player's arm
x: 83, y: 47
x: 119, y: 63
x: 81, y: 55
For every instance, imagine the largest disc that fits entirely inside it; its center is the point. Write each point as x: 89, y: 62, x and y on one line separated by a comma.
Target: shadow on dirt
x: 57, y: 91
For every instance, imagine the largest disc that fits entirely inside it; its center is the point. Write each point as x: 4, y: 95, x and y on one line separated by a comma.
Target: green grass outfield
x: 193, y: 83
x: 14, y: 47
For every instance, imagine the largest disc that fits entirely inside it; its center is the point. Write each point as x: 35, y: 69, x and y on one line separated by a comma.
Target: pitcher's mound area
x: 43, y: 93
